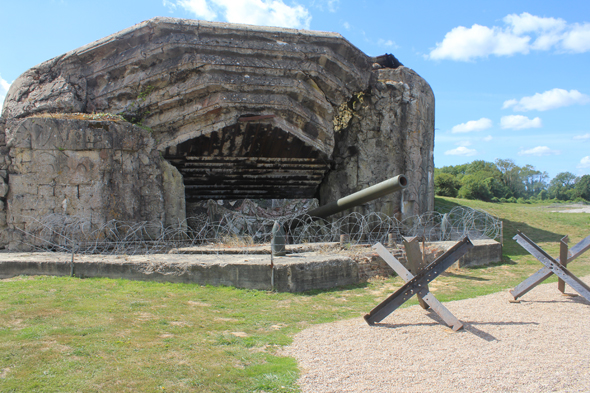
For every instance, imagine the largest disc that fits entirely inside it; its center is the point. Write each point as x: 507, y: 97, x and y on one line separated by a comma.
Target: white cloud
x: 487, y: 138
x: 519, y: 122
x: 169, y: 4
x: 461, y: 151
x: 519, y: 35
x: 346, y: 25
x: 388, y: 43
x: 254, y: 12
x: 539, y: 151
x: 4, y: 86
x: 584, y: 162
x: 550, y: 99
x: 331, y: 5
x: 527, y: 23
x: 200, y: 8
x: 473, y: 125
x: 465, y: 44
x: 577, y: 40
x: 585, y: 137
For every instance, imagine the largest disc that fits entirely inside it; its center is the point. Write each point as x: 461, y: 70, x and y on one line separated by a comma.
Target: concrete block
x: 484, y: 252
x: 3, y: 188
x: 46, y: 191
x: 23, y: 184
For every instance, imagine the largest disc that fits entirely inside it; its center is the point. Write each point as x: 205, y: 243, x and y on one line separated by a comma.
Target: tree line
x: 504, y: 181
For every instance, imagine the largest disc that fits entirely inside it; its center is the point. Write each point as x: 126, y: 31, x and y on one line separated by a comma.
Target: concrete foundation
x: 294, y: 273
x: 301, y: 271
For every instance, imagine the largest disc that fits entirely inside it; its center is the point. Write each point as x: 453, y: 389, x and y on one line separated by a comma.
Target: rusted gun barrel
x: 358, y: 198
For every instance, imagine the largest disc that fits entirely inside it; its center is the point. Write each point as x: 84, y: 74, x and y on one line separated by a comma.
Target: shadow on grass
x: 510, y: 229
x: 451, y: 274
x: 315, y: 292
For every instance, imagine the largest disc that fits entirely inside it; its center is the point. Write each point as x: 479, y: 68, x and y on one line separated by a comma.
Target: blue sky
x: 511, y: 78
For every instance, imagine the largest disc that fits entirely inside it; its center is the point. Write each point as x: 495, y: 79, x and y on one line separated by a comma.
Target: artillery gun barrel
x: 386, y: 187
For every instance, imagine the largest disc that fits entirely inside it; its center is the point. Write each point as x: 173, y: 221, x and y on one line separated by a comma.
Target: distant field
x: 87, y: 335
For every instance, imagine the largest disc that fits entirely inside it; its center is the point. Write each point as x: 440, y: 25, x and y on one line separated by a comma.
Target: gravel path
x: 541, y: 344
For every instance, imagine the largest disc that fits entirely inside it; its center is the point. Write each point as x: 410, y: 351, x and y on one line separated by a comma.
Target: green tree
x: 561, y: 185
x: 511, y: 176
x: 475, y: 187
x: 582, y: 187
x: 445, y: 184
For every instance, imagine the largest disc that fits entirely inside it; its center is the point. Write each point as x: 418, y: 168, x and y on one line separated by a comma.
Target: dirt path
x: 541, y: 344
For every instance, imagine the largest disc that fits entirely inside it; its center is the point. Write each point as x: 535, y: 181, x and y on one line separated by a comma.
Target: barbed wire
x: 234, y: 232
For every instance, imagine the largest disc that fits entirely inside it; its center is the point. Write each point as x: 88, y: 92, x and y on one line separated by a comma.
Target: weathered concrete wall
x: 185, y: 78
x: 95, y: 170
x: 386, y: 131
x: 4, y: 164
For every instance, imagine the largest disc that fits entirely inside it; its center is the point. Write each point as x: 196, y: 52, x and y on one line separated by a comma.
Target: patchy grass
x: 69, y: 334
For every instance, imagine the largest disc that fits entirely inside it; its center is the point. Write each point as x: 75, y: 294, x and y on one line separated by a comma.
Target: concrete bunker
x: 220, y: 111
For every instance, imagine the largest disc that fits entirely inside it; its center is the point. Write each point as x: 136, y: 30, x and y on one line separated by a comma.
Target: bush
x: 446, y: 185
x: 522, y: 201
x: 543, y: 195
x: 495, y: 199
x: 512, y: 200
x: 475, y: 188
x: 503, y: 200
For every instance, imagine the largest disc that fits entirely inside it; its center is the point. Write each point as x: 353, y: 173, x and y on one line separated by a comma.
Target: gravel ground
x: 541, y: 344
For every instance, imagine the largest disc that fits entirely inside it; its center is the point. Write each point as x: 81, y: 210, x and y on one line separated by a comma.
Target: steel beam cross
x: 428, y: 299
x: 552, y: 266
x: 418, y: 285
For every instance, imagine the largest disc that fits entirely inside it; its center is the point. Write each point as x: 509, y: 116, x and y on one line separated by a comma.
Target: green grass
x: 87, y: 335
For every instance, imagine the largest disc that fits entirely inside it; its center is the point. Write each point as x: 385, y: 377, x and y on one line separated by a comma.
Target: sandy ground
x: 541, y: 344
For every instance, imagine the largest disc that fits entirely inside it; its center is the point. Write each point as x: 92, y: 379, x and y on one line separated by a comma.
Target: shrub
x: 446, y: 184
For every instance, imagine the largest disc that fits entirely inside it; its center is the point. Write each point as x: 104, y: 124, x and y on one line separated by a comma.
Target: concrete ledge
x: 295, y: 273
x: 483, y: 253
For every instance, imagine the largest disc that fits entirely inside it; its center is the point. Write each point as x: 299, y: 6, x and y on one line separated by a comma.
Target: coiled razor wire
x: 65, y: 233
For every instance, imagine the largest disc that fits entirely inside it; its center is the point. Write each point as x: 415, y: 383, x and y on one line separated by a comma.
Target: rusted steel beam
x: 553, y: 266
x: 563, y: 249
x: 545, y: 272
x: 417, y: 285
x: 415, y: 260
x: 429, y: 298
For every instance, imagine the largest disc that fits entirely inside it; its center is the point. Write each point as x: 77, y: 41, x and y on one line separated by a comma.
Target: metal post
x: 390, y: 240
x: 563, y: 249
x: 72, y: 261
x: 344, y: 240
x: 272, y: 266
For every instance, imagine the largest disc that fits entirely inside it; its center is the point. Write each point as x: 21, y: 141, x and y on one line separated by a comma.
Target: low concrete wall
x: 297, y: 273
x: 483, y: 253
